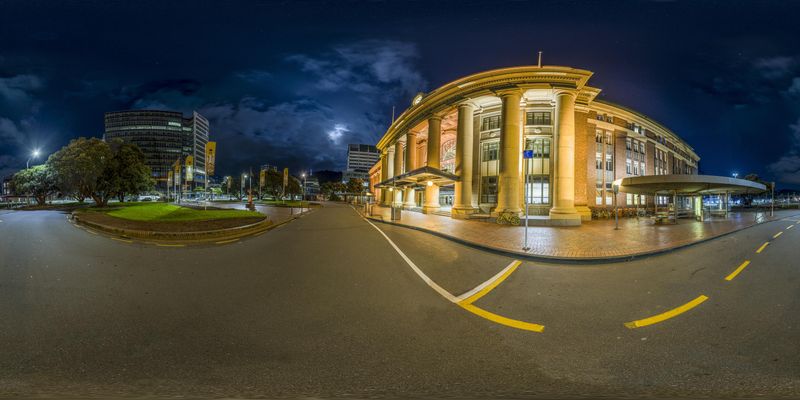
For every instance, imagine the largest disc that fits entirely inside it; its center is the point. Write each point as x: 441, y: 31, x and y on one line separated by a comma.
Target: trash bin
x: 396, y: 213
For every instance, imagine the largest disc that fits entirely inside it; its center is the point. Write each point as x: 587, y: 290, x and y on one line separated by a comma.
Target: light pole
x: 34, y: 155
x: 241, y: 187
x: 304, y: 192
x: 735, y: 175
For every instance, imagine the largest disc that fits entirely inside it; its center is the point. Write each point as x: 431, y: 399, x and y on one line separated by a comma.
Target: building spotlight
x: 430, y: 183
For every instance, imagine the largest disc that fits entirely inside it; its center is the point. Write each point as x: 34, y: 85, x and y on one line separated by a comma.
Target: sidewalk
x: 594, y: 240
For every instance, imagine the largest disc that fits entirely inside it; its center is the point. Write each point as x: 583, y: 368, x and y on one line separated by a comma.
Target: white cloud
x: 17, y: 88
x: 775, y: 67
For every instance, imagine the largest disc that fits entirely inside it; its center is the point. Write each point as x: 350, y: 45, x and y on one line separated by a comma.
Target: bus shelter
x: 692, y: 186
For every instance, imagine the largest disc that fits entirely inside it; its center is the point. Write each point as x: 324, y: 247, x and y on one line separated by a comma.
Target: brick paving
x: 592, y: 240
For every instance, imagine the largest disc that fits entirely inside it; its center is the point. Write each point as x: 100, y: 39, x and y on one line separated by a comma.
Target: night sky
x: 291, y: 83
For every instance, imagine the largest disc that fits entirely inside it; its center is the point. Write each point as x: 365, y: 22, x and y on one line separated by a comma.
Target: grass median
x: 163, y: 212
x: 165, y: 217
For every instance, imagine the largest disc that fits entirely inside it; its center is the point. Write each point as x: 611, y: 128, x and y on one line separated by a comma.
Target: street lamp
x: 735, y: 175
x: 34, y: 155
x: 304, y: 192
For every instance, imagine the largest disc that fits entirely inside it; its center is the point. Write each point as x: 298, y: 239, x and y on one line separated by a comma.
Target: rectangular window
x: 490, y: 151
x: 538, y: 188
x: 490, y: 123
x: 489, y: 189
x: 538, y: 118
x: 628, y: 166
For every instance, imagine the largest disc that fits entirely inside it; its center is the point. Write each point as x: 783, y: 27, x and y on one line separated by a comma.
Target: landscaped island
x: 163, y: 217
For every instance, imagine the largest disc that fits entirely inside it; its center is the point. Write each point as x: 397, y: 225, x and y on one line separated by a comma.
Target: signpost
x: 526, y: 155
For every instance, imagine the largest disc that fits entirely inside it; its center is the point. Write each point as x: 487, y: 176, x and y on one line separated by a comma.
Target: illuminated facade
x: 459, y: 148
x: 163, y: 137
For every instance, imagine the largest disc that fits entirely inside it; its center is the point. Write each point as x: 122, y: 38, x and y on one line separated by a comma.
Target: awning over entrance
x: 687, y: 185
x: 420, y: 177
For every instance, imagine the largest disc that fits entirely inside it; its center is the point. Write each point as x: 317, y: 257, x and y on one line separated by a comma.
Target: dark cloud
x: 369, y: 68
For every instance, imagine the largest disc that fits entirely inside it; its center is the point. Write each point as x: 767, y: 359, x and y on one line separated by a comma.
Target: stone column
x: 398, y: 170
x: 411, y: 164
x: 564, y: 211
x: 462, y: 206
x: 508, y: 196
x: 384, y: 176
x: 434, y: 148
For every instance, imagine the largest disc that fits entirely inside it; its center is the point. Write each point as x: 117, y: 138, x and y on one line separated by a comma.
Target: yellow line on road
x: 777, y: 234
x: 227, y: 241
x: 122, y: 240
x: 169, y: 245
x: 760, y: 249
x: 488, y: 286
x: 737, y: 270
x: 666, y: 315
x: 502, y: 320
x: 91, y: 231
x: 790, y: 227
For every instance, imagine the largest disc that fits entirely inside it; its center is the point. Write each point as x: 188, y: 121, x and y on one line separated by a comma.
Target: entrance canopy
x: 420, y: 177
x: 687, y: 185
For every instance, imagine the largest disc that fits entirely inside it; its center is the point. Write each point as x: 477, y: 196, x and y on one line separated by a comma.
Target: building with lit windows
x: 163, y: 137
x: 360, y: 157
x: 459, y: 149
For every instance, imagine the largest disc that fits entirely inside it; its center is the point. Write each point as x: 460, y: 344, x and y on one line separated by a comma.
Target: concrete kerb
x: 199, y: 237
x: 565, y: 260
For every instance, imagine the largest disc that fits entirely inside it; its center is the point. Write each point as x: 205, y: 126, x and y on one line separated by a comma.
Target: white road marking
x: 413, y: 266
x: 480, y: 287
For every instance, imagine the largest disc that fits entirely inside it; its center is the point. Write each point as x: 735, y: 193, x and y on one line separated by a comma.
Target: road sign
x: 527, y: 154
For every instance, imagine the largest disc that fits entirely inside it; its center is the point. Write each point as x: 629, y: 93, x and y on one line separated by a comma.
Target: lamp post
x: 34, y: 155
x: 241, y: 188
x: 304, y: 192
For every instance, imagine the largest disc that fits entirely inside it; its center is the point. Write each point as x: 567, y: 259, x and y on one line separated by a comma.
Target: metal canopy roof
x: 687, y: 185
x: 420, y: 177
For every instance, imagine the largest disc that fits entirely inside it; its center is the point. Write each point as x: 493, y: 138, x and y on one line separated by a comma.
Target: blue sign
x: 527, y: 154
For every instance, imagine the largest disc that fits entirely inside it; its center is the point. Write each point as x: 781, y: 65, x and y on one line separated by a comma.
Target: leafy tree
x: 355, y: 186
x: 273, y: 185
x: 293, y: 187
x: 79, y: 168
x: 127, y: 173
x: 38, y: 181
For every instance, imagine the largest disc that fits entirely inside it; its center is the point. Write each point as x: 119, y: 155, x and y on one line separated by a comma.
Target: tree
x: 273, y: 184
x: 38, y: 181
x: 355, y: 186
x: 79, y: 168
x: 232, y: 187
x: 127, y: 172
x: 293, y: 187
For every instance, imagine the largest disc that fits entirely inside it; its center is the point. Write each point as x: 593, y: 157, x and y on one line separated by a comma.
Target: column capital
x: 435, y: 117
x: 509, y: 92
x: 565, y: 92
x: 466, y: 104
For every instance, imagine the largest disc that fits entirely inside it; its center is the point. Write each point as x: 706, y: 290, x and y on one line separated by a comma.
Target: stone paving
x: 592, y: 240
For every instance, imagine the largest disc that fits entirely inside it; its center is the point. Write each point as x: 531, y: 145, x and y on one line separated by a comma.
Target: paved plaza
x: 595, y: 239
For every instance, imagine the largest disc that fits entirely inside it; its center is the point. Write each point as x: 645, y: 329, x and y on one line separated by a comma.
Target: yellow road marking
x: 737, y: 270
x: 777, y: 234
x: 490, y: 285
x: 790, y: 227
x: 122, y: 240
x: 91, y: 231
x: 666, y: 315
x: 760, y: 249
x: 503, y: 320
x: 169, y: 245
x: 227, y: 241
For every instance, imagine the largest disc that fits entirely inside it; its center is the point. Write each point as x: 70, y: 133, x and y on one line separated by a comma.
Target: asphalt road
x: 325, y: 306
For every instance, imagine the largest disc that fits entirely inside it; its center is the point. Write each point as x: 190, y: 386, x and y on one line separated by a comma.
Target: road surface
x: 327, y: 306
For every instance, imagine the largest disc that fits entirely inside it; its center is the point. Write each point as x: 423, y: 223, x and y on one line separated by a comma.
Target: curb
x: 198, y: 237
x: 558, y: 259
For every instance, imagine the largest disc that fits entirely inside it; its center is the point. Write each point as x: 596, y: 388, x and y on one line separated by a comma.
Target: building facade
x: 460, y: 148
x: 163, y: 137
x: 360, y: 158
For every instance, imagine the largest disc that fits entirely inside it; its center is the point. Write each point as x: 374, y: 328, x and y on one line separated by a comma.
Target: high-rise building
x: 164, y: 137
x: 360, y: 158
